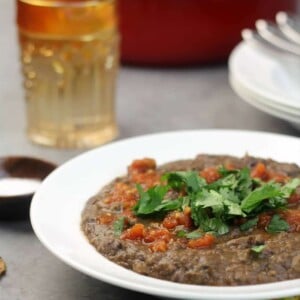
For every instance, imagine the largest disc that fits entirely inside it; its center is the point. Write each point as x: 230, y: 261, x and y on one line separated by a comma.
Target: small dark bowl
x: 17, y: 207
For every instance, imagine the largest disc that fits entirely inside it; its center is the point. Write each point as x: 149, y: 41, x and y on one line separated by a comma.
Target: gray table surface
x: 148, y: 100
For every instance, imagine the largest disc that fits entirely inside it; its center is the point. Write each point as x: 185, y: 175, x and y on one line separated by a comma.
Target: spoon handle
x: 289, y: 26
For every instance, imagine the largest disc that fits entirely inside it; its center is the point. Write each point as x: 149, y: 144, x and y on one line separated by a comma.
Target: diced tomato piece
x: 294, y: 199
x: 264, y: 219
x: 170, y: 222
x: 278, y: 177
x: 157, y: 234
x: 187, y: 211
x: 229, y: 166
x: 204, y: 242
x: 260, y: 171
x: 185, y: 219
x: 159, y: 246
x: 105, y: 218
x: 123, y: 192
x: 130, y: 218
x: 178, y: 218
x: 136, y: 232
x: 142, y: 165
x: 210, y: 174
x: 292, y: 216
x: 148, y: 179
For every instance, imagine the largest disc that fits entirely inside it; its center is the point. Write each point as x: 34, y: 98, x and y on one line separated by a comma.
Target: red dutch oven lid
x: 180, y: 32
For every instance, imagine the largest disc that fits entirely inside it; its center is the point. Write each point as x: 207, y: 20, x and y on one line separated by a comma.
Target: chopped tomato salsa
x: 210, y: 174
x: 142, y: 166
x: 264, y: 220
x: 260, y: 171
x: 123, y: 193
x: 177, y: 218
x: 136, y: 232
x: 203, y: 242
x: 157, y: 234
x: 157, y: 239
x: 159, y: 246
x: 105, y: 218
x: 292, y: 216
x: 294, y: 199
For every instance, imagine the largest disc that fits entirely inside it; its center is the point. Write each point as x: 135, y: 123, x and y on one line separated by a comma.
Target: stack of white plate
x: 267, y: 82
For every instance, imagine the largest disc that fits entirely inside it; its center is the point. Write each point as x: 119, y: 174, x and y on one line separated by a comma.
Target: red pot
x: 180, y: 32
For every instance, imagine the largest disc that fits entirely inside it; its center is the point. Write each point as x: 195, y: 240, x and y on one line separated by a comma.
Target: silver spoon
x: 20, y: 177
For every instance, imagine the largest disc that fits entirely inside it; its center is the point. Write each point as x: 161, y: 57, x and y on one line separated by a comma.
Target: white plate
x: 57, y: 206
x: 284, y: 110
x: 260, y: 103
x: 275, y: 80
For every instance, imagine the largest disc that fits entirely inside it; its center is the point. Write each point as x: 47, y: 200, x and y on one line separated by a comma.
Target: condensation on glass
x: 69, y: 55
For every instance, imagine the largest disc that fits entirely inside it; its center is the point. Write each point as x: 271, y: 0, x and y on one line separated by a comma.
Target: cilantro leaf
x: 233, y: 209
x: 224, y: 171
x: 256, y: 197
x: 290, y: 187
x: 228, y: 181
x: 190, y: 179
x: 210, y: 199
x: 249, y: 224
x: 168, y: 205
x: 190, y: 235
x: 185, y: 202
x: 277, y: 224
x: 194, y: 234
x: 218, y: 203
x: 119, y: 226
x: 230, y: 195
x: 245, y: 183
x: 181, y: 233
x: 215, y: 225
x: 198, y: 214
x: 150, y: 199
x: 258, y: 248
x: 276, y: 202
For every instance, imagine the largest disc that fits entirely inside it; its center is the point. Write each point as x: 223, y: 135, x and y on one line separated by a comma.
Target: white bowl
x: 56, y: 207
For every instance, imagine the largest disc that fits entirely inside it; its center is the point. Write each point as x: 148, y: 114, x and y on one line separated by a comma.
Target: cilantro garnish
x: 214, y: 206
x: 119, y: 226
x: 255, y: 198
x: 249, y: 224
x: 290, y: 187
x: 258, y: 248
x: 150, y: 200
x: 190, y: 235
x: 190, y: 180
x: 277, y: 224
x: 181, y: 233
x: 194, y: 234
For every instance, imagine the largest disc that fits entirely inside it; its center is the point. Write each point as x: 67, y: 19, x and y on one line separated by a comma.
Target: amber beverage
x: 69, y: 55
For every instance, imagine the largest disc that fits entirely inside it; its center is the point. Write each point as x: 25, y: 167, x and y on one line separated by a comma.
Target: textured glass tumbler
x: 70, y: 58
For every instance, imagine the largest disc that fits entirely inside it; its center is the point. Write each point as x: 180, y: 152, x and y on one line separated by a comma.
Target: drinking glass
x: 69, y: 56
